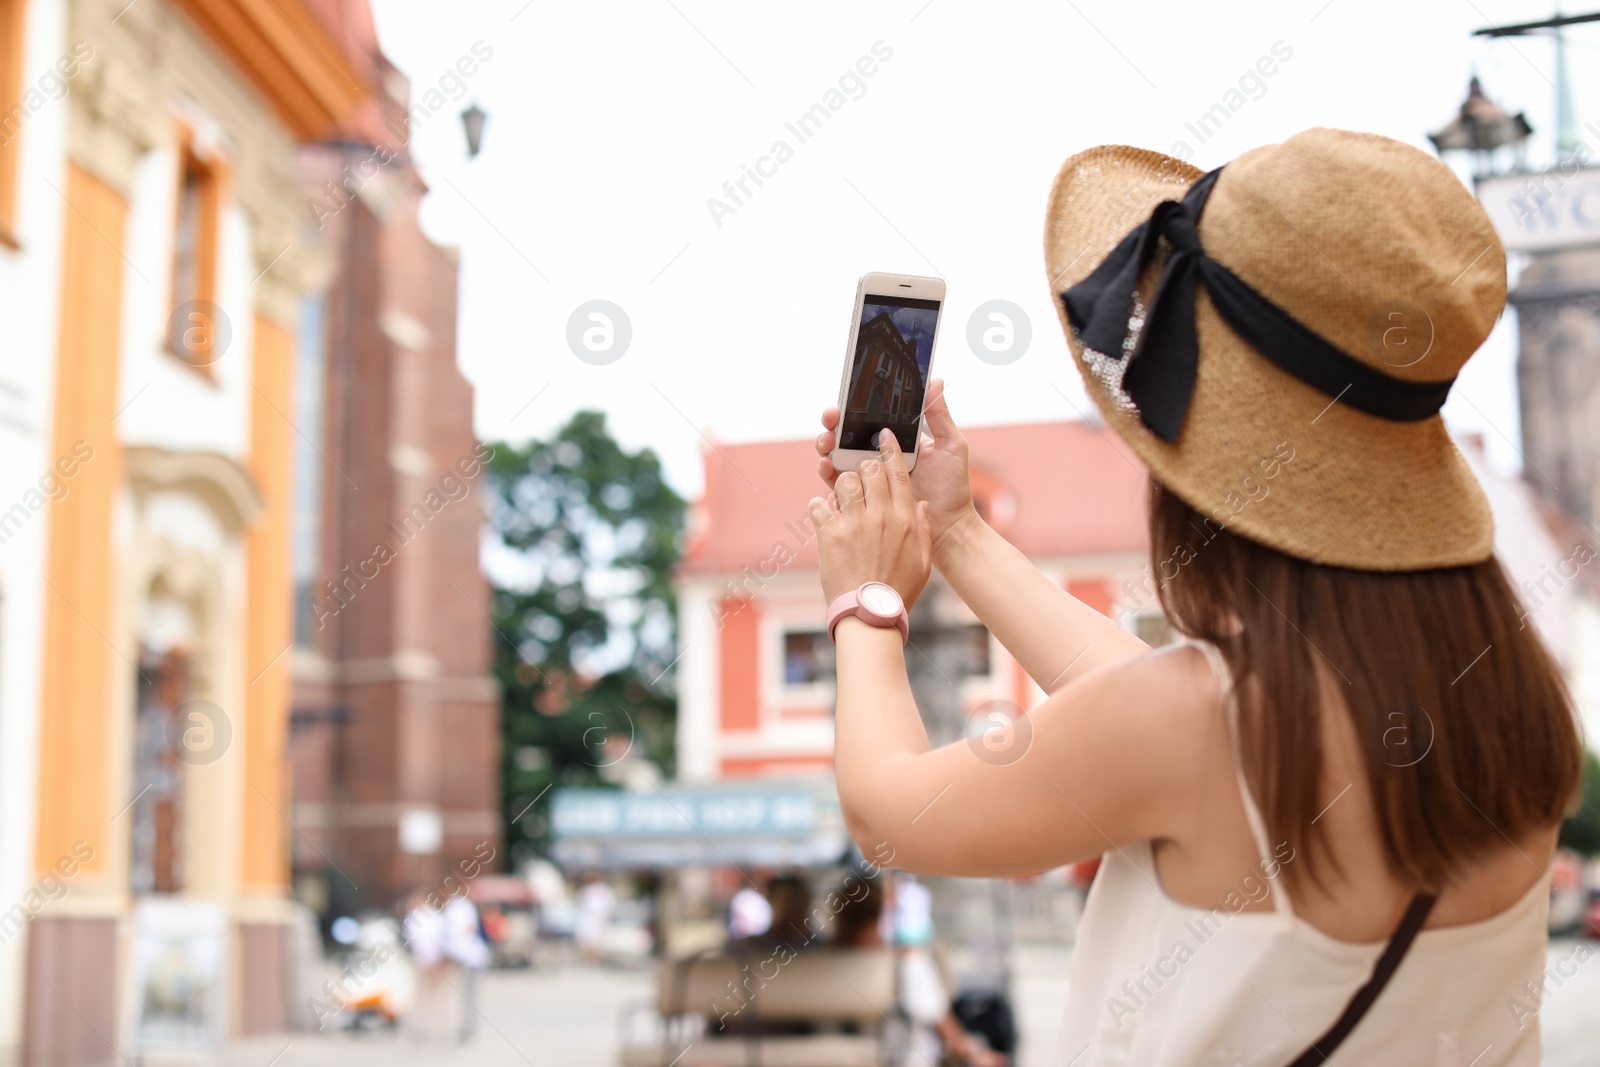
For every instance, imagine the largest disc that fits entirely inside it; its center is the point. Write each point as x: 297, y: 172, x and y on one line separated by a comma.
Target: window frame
x: 13, y: 50
x: 213, y: 175
x: 820, y: 692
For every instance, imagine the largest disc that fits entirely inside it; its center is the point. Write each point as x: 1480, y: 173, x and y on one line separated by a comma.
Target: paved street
x: 568, y: 1018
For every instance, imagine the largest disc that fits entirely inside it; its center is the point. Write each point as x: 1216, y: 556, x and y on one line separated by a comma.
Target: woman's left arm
x: 1104, y: 761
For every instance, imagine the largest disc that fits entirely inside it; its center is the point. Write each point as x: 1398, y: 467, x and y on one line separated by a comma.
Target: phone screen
x: 889, y: 371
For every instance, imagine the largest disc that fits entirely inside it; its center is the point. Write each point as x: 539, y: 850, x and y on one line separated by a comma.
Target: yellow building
x: 154, y: 250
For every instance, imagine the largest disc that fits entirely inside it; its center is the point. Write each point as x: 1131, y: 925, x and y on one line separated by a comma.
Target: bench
x: 818, y: 1008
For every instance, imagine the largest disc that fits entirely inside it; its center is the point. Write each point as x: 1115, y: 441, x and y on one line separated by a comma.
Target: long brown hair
x: 1466, y: 728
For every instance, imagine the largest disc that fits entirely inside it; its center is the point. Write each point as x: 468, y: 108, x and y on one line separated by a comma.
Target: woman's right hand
x: 941, y: 476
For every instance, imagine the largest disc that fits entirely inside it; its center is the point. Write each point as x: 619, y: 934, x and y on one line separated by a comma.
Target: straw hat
x: 1364, y: 275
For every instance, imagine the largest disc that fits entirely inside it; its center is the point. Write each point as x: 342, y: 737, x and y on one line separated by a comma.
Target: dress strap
x: 1252, y: 813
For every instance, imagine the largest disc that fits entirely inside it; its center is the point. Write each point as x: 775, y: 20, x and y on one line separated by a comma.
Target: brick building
x: 394, y: 735
x: 886, y: 377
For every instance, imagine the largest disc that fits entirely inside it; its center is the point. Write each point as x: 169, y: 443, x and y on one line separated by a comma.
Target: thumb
x: 937, y: 413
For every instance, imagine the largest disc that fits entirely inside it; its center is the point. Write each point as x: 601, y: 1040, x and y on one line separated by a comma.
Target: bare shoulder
x: 1169, y: 691
x: 1148, y: 730
x: 1121, y: 755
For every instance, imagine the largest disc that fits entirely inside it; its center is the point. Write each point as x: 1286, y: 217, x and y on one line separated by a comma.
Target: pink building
x: 755, y: 678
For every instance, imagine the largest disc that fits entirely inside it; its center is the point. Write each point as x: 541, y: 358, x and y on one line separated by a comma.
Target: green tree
x: 1581, y: 832
x: 586, y: 623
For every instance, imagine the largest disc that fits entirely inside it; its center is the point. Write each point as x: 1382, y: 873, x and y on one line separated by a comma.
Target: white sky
x: 611, y: 124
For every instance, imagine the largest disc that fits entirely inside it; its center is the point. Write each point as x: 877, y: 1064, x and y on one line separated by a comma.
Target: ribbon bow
x: 1163, y: 361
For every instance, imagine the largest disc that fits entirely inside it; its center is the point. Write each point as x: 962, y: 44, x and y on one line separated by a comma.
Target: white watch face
x: 880, y: 599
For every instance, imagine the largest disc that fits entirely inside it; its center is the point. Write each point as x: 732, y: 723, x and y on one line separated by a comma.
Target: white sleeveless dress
x: 1155, y: 983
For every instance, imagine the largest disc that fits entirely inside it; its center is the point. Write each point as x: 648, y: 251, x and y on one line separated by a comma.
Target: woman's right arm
x: 1055, y: 636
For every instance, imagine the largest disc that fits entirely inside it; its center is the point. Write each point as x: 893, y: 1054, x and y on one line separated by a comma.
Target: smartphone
x: 886, y: 366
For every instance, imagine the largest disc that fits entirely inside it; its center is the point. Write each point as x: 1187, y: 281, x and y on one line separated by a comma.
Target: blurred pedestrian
x: 425, y: 934
x: 749, y: 914
x: 596, y: 903
x: 468, y: 953
x: 913, y: 911
x: 791, y: 924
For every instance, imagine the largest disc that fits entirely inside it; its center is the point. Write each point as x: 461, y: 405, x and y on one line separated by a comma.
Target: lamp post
x: 472, y: 120
x: 1481, y: 127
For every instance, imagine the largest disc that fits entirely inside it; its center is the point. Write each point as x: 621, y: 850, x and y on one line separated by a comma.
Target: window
x: 13, y: 112
x: 194, y: 255
x: 309, y: 410
x: 157, y: 824
x: 974, y: 646
x: 807, y: 658
x: 808, y: 655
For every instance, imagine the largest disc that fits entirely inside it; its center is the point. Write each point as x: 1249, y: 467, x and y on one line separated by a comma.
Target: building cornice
x: 410, y: 666
x: 286, y: 54
x: 117, y: 116
x: 1556, y: 291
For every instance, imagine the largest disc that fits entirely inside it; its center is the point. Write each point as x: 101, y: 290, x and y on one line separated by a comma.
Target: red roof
x: 1052, y: 488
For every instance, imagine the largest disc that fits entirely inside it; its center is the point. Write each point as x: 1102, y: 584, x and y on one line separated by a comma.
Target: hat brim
x: 1261, y: 452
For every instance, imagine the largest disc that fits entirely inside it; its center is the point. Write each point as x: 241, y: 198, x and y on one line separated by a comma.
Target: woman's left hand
x: 874, y: 529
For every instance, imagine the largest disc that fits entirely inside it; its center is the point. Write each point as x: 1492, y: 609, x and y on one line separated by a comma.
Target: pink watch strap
x: 850, y: 604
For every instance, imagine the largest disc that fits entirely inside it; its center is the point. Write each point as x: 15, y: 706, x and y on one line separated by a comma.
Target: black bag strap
x: 1395, y: 951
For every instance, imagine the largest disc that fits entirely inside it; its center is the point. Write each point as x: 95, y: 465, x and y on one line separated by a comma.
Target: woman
x: 1351, y: 774
x: 789, y: 918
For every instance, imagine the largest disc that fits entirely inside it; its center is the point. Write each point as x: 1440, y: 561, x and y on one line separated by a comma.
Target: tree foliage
x: 585, y: 616
x: 1581, y: 832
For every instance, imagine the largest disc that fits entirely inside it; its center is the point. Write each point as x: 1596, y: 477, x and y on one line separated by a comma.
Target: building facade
x: 151, y: 230
x: 395, y: 742
x: 33, y: 163
x: 1558, y: 375
x: 886, y: 377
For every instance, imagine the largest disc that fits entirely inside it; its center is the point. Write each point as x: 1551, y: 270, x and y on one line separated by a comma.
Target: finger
x: 896, y: 475
x: 824, y: 442
x: 874, y: 483
x: 826, y: 470
x: 821, y: 512
x: 849, y: 491
x: 936, y: 414
x: 830, y: 418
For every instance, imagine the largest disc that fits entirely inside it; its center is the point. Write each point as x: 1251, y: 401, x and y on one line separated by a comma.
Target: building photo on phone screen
x: 890, y: 371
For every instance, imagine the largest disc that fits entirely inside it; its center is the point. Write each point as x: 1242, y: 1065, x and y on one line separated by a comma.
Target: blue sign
x: 683, y: 812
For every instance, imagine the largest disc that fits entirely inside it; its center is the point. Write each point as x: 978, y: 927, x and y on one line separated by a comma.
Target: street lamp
x: 472, y: 120
x: 1481, y: 127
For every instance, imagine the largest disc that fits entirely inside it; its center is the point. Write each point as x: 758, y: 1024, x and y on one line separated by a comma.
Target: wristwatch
x: 875, y: 604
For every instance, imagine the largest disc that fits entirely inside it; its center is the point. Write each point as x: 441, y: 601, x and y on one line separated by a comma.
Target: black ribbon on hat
x: 1161, y: 366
